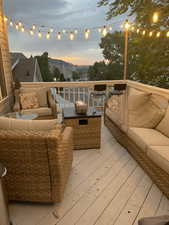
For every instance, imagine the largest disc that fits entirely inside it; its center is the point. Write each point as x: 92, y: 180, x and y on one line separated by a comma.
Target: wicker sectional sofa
x: 38, y: 157
x: 144, y: 132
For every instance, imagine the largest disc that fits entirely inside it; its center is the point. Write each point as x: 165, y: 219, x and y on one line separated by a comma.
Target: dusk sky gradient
x: 59, y: 14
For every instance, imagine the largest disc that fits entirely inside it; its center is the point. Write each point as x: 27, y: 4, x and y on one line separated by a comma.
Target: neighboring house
x: 25, y: 69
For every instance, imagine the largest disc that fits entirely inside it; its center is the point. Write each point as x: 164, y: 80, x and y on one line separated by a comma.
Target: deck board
x: 106, y: 187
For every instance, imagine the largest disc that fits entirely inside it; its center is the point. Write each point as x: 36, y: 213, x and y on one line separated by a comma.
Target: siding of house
x: 5, y: 61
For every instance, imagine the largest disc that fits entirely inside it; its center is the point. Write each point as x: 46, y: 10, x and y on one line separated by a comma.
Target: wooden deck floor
x: 106, y: 187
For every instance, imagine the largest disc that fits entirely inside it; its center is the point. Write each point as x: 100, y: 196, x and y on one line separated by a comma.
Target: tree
x: 149, y: 55
x: 75, y: 75
x: 56, y: 74
x: 44, y: 67
x: 143, y: 10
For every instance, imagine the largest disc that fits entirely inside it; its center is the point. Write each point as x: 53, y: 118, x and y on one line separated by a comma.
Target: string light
x: 39, y: 34
x: 87, y: 34
x: 168, y: 34
x: 71, y: 36
x: 104, y: 31
x: 59, y: 36
x: 48, y: 36
x: 127, y: 25
x: 155, y: 17
x: 63, y: 31
x: 31, y: 32
x: 51, y: 30
x: 110, y: 28
x: 5, y: 19
x: 11, y: 23
x: 133, y: 28
x: 99, y: 30
x: 17, y: 26
x: 158, y: 34
x: 138, y: 31
x: 76, y: 31
x: 150, y: 34
x: 20, y: 24
x: 144, y: 32
x: 33, y: 27
x: 22, y: 29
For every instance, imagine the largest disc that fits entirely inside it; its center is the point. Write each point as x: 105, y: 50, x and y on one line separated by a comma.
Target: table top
x: 22, y: 116
x: 70, y: 113
x: 2, y: 170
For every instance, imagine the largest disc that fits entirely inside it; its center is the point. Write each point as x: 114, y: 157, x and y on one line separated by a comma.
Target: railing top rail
x: 70, y: 84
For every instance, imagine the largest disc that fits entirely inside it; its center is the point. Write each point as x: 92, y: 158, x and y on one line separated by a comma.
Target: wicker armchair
x: 38, y: 163
x: 47, y: 108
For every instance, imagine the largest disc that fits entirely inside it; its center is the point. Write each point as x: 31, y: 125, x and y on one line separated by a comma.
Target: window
x: 3, y: 92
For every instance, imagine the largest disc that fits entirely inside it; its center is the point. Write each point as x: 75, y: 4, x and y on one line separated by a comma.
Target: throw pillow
x: 29, y: 101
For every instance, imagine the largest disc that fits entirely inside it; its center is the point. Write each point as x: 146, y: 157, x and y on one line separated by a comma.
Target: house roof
x: 24, y: 70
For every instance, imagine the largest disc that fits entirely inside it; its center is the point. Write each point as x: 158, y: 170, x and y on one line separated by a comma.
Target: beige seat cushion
x: 163, y: 126
x: 160, y: 156
x: 41, y: 93
x: 43, y: 111
x: 147, y: 115
x: 29, y: 101
x: 29, y: 125
x: 114, y: 116
x: 145, y: 137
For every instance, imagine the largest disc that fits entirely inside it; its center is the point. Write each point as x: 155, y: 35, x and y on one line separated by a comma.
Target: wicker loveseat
x: 47, y: 105
x: 143, y: 131
x: 38, y: 158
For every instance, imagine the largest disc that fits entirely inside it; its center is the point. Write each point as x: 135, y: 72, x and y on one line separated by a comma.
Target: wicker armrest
x: 60, y: 158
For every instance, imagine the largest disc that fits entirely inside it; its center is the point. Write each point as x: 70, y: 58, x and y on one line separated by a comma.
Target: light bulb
x: 59, y: 36
x: 20, y: 24
x: 155, y: 17
x: 168, y: 34
x: 76, y: 31
x: 99, y: 30
x: 104, y: 31
x: 110, y: 28
x: 71, y: 36
x: 138, y: 31
x: 86, y: 34
x: 127, y: 25
x: 39, y: 34
x: 17, y: 26
x: 31, y: 32
x: 51, y: 30
x: 122, y: 26
x: 11, y: 23
x: 23, y: 29
x: 34, y: 27
x: 144, y: 32
x: 63, y: 31
x: 5, y: 19
x: 150, y: 34
x: 158, y: 34
x: 132, y: 28
x: 48, y: 36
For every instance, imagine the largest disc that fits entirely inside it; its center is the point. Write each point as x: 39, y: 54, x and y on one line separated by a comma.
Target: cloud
x: 58, y: 14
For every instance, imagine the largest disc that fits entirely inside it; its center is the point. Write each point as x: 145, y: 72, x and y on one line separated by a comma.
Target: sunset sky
x: 59, y: 14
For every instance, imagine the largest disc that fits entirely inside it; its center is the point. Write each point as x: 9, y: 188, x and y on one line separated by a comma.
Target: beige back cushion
x: 147, y: 115
x: 137, y: 98
x: 41, y: 93
x: 29, y: 125
x: 163, y: 126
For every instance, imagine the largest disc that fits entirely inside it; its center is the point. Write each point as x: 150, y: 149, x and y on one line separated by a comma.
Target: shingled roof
x: 24, y: 69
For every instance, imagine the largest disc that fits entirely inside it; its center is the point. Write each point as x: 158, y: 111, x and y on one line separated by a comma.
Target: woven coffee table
x: 87, y: 128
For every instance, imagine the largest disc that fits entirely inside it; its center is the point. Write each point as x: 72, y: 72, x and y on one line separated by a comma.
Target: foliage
x: 44, y: 67
x: 148, y: 57
x: 76, y: 75
x: 57, y: 75
x: 143, y: 10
